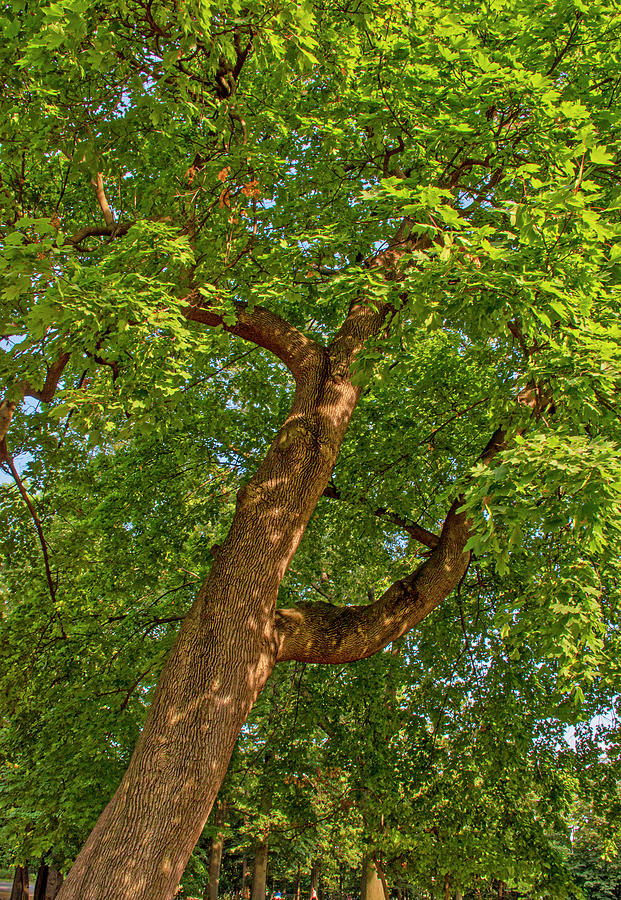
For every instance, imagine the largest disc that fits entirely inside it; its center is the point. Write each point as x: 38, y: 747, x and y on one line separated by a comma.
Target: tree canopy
x: 226, y: 231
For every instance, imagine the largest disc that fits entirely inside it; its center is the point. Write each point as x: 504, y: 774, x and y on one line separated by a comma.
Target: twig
x: 6, y: 457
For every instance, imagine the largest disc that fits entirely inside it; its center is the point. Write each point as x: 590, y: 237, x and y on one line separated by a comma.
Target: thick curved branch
x: 268, y: 330
x: 321, y: 633
x: 54, y: 373
x: 99, y: 231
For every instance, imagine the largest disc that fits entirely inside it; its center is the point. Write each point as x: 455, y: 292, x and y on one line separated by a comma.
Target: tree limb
x: 99, y: 231
x: 100, y: 194
x: 321, y: 633
x: 53, y: 375
x: 265, y: 328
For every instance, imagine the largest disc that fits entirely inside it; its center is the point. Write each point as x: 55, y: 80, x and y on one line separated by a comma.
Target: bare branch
x: 6, y: 457
x: 100, y: 194
x: 415, y: 531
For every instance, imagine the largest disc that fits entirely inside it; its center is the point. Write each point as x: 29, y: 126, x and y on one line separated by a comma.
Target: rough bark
x: 221, y: 659
x: 20, y: 889
x: 54, y: 882
x: 320, y: 632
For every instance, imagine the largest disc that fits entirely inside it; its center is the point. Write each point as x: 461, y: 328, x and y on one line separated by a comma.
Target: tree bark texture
x: 54, y: 882
x: 20, y: 889
x: 232, y: 637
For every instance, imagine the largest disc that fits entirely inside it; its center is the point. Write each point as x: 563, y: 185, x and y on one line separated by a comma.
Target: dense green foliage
x: 493, y: 131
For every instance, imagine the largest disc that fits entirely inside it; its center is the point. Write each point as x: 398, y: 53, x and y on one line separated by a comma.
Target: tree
x: 411, y: 211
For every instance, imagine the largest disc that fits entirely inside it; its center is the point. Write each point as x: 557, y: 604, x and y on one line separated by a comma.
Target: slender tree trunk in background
x: 245, y: 879
x: 41, y: 882
x: 298, y: 880
x: 215, y: 855
x: 20, y: 889
x: 54, y: 883
x: 314, y: 877
x: 215, y: 861
x: 48, y: 882
x: 259, y: 877
x: 380, y: 872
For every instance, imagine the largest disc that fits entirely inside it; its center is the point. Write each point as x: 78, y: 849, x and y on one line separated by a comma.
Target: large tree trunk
x: 223, y: 655
x: 231, y: 638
